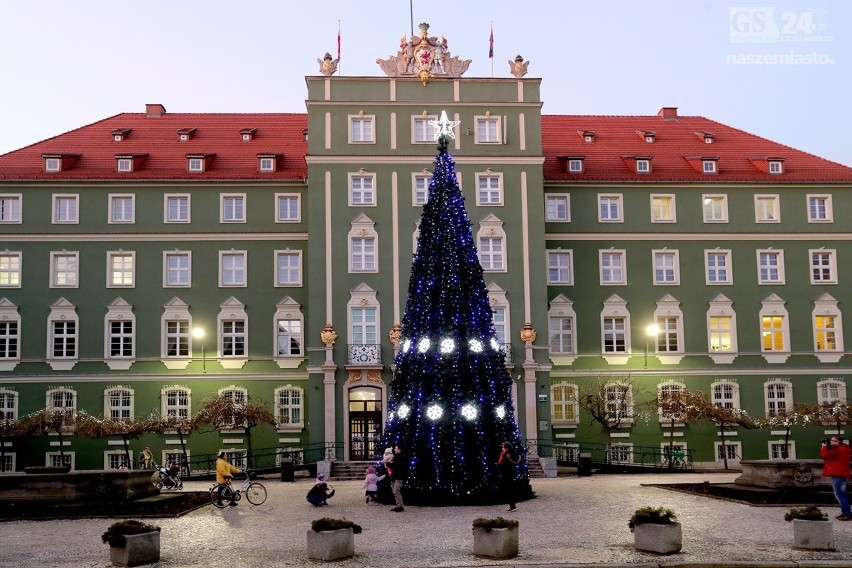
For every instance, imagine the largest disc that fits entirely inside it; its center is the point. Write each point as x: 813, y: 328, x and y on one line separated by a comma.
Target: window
x: 558, y: 208
x: 663, y: 209
x: 177, y: 209
x: 118, y: 403
x: 10, y: 269
x: 121, y: 269
x: 288, y: 208
x: 774, y: 329
x: 708, y: 166
x: 668, y: 395
x: 424, y: 132
x: 233, y: 335
x: 827, y: 322
x: 575, y: 166
x: 10, y: 208
x: 288, y: 407
x: 489, y: 189
x: 177, y: 269
x: 770, y: 267
x: 176, y: 402
x: 289, y: 334
x: 364, y: 317
x: 619, y: 403
x: 715, y: 208
x: 776, y: 167
x: 266, y: 164
x: 720, y: 332
x: 780, y: 450
x: 120, y: 339
x: 498, y: 316
x: 666, y: 267
x: 561, y: 335
x: 8, y: 404
x: 824, y: 331
x: 362, y: 189
x: 613, y: 267
x: 820, y: 209
x: 177, y: 338
x: 766, y: 209
x: 288, y: 268
x: 667, y: 335
x: 361, y: 129
x: 65, y: 208
x: 363, y: 245
x: 364, y: 328
x: 717, y: 267
x: 559, y: 267
x: 64, y: 268
x: 52, y: 164
x: 823, y: 266
x: 238, y: 396
x: 564, y: 407
x: 233, y: 209
x: 726, y: 394
x: 232, y: 268
x: 63, y: 339
x: 621, y: 453
x: 778, y: 396
x: 831, y: 391
x: 487, y: 130
x: 120, y: 336
x: 614, y: 335
x: 10, y: 339
x: 420, y: 188
x: 609, y: 209
x: 773, y: 333
x: 56, y: 459
x: 64, y: 400
x: 121, y: 208
x: 195, y: 164
x: 643, y: 166
x: 491, y: 254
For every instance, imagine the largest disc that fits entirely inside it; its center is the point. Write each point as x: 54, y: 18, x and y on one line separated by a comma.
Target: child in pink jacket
x: 371, y: 486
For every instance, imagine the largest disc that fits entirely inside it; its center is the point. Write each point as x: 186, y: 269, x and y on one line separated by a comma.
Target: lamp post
x: 198, y: 333
x: 650, y: 331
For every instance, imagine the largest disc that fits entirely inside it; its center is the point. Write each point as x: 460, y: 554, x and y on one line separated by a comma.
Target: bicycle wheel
x: 222, y: 500
x: 255, y: 493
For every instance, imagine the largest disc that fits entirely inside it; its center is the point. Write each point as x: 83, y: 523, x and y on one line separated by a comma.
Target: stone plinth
x: 782, y: 474
x: 331, y: 545
x: 495, y: 543
x: 813, y: 535
x: 139, y: 549
x: 662, y: 539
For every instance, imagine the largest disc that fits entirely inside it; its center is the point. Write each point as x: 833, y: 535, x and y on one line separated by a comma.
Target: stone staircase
x: 354, y: 470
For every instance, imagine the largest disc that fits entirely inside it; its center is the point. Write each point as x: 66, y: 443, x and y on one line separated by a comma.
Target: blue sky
x: 777, y: 69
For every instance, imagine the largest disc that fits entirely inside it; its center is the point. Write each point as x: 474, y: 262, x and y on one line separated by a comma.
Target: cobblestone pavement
x: 573, y: 520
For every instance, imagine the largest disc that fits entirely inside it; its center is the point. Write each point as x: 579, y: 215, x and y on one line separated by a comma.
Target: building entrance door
x: 365, y: 423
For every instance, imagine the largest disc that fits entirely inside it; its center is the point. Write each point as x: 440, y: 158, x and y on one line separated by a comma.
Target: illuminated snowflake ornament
x: 475, y: 345
x: 494, y: 344
x: 469, y: 411
x: 403, y: 411
x: 447, y: 346
x: 500, y: 411
x: 423, y: 345
x: 434, y: 412
x: 406, y: 346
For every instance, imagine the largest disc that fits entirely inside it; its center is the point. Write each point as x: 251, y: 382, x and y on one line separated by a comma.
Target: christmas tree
x: 450, y: 404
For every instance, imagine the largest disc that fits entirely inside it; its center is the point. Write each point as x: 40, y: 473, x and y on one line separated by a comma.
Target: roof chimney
x: 668, y: 113
x: 154, y: 110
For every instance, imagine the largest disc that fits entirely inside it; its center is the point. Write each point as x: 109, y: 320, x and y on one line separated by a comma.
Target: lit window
x: 827, y: 322
x: 766, y: 209
x: 773, y: 329
x: 715, y: 208
x: 564, y: 407
x: 121, y: 271
x: 10, y: 269
x: 662, y: 208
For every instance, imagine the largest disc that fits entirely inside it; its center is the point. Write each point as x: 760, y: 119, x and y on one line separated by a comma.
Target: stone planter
x: 662, y: 539
x: 495, y: 543
x: 331, y: 545
x: 813, y: 535
x: 138, y: 549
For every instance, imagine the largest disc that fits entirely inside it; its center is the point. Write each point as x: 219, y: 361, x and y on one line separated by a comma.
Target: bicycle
x: 223, y: 494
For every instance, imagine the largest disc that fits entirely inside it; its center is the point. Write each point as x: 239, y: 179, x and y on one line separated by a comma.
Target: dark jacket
x: 399, y: 466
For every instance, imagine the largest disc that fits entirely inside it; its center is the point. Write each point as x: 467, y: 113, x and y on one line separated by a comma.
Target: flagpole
x: 339, y: 72
x: 411, y: 11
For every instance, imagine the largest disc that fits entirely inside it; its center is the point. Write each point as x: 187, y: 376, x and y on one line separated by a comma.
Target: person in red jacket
x: 836, y: 456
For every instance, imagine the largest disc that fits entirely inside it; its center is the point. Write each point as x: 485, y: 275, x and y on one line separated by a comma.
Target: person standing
x: 224, y: 472
x: 506, y: 466
x: 836, y: 456
x: 398, y: 473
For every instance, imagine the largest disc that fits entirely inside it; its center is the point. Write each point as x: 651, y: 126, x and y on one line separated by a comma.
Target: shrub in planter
x: 332, y: 539
x: 811, y: 528
x: 495, y: 538
x: 133, y: 543
x: 656, y: 530
x: 809, y: 513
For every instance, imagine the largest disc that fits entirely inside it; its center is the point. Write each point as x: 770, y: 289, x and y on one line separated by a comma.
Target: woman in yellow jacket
x: 224, y: 472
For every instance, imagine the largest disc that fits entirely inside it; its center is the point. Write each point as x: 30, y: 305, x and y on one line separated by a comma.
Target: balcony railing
x: 365, y: 354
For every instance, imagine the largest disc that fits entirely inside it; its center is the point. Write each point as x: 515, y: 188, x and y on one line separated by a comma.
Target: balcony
x: 365, y: 355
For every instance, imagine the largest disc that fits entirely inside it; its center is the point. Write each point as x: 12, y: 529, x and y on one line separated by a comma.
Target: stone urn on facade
x: 656, y: 530
x: 811, y: 528
x: 332, y: 539
x: 495, y: 538
x: 132, y: 543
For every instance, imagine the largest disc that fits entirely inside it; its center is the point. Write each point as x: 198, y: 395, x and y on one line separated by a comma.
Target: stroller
x: 168, y: 477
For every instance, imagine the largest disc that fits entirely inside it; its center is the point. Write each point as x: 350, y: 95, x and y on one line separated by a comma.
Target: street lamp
x: 198, y: 333
x: 650, y: 331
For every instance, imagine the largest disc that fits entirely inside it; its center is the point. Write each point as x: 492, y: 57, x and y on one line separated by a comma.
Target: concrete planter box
x: 495, y: 543
x: 662, y: 539
x: 331, y: 545
x: 813, y: 535
x: 139, y: 549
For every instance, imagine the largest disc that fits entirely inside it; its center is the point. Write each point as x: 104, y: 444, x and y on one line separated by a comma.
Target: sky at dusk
x: 781, y: 70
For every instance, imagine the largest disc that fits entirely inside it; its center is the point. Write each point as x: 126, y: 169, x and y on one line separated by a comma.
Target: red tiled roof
x: 741, y: 157
x: 219, y: 134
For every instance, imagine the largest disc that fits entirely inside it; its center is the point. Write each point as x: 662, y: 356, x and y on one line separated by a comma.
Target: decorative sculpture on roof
x: 423, y: 57
x: 518, y: 67
x: 327, y: 65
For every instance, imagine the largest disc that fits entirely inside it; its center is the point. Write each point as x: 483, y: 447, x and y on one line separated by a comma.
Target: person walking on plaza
x: 145, y: 458
x: 506, y: 467
x: 371, y: 485
x: 836, y: 456
x: 224, y: 472
x: 398, y: 473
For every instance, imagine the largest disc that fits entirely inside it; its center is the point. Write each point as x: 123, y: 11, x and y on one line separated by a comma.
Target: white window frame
x: 119, y: 311
x: 560, y: 267
x: 615, y: 329
x: 422, y: 131
x: 825, y: 394
x: 265, y: 163
x: 722, y: 343
x: 362, y: 330
x: 63, y: 312
x: 714, y: 274
x: 9, y: 408
x: 178, y: 409
x: 62, y: 215
x: 420, y: 188
x: 827, y: 335
x: 72, y: 273
x: 292, y: 270
x: 663, y: 208
x: 775, y: 167
x: 564, y: 404
x: 52, y: 165
x: 11, y: 267
x: 561, y: 309
x: 169, y: 271
x: 767, y: 208
x: 179, y: 199
x: 285, y: 408
x: 725, y: 393
x: 124, y: 165
x: 233, y: 268
x: 233, y: 208
x: 489, y: 129
x: 361, y: 128
x: 288, y: 310
x: 492, y: 245
x: 69, y: 398
x: 709, y: 167
x: 558, y: 208
x: 119, y: 274
x: 55, y: 459
x: 177, y: 312
x: 823, y: 266
x: 664, y: 390
x: 714, y: 207
x: 120, y: 399
x: 195, y: 165
x: 123, y: 218
x: 774, y: 328
x: 669, y: 340
x: 8, y: 462
x: 489, y: 188
x: 666, y: 265
x: 237, y: 395
x: 232, y: 325
x: 619, y: 406
x: 10, y: 335
x: 363, y: 258
x: 501, y: 315
x: 575, y: 166
x: 606, y: 203
x: 775, y: 449
x: 643, y: 166
x: 770, y: 273
x: 820, y: 208
x: 11, y: 208
x: 362, y: 189
x: 289, y: 216
x: 773, y: 405
x: 612, y: 273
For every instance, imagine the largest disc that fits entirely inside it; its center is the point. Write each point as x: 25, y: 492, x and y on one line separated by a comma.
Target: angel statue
x: 327, y: 65
x: 518, y: 67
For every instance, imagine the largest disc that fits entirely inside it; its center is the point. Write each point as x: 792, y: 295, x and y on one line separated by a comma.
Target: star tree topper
x: 444, y: 126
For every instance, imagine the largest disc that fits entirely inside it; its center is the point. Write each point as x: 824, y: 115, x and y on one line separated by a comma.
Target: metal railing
x: 613, y: 455
x: 267, y: 460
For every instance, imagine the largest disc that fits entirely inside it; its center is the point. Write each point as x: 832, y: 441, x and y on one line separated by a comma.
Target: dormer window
x: 52, y: 164
x: 267, y: 162
x: 246, y: 134
x: 129, y: 162
x: 124, y: 165
x: 708, y: 166
x: 587, y: 135
x: 708, y: 137
x: 648, y: 136
x: 198, y: 162
x: 575, y: 165
x: 184, y: 134
x: 119, y: 134
x: 643, y: 166
x: 58, y: 162
x: 776, y: 167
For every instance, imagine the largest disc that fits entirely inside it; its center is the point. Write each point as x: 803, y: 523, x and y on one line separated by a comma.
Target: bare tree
x: 800, y: 415
x: 100, y: 427
x: 723, y: 417
x: 57, y: 421
x: 678, y: 407
x: 183, y: 426
x: 835, y: 412
x: 609, y: 402
x: 223, y: 412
